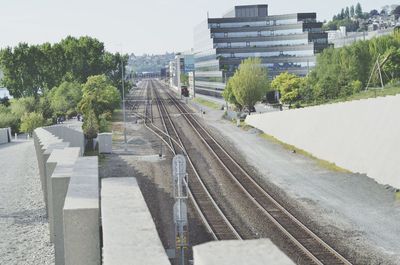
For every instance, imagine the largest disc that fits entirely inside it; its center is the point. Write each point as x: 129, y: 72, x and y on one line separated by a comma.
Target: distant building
x: 182, y: 64
x: 283, y: 42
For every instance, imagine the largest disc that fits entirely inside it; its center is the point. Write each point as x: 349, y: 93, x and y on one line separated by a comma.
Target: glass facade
x: 283, y: 42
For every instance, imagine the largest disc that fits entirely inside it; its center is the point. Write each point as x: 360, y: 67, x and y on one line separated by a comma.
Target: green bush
x: 90, y: 125
x: 31, y: 121
x: 23, y: 105
x: 8, y: 119
x: 357, y: 86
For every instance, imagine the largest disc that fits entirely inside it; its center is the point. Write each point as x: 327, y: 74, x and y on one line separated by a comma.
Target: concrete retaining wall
x: 81, y: 214
x: 69, y: 133
x: 70, y: 186
x: 58, y: 162
x: 361, y: 136
x: 129, y: 233
x: 235, y: 252
x: 5, y: 135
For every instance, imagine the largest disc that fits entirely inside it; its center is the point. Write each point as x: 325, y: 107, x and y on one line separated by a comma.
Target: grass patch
x: 117, y: 115
x: 370, y: 93
x: 323, y: 163
x: 245, y: 126
x: 207, y: 103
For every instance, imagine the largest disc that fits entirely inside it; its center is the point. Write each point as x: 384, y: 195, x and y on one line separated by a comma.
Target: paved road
x: 24, y: 236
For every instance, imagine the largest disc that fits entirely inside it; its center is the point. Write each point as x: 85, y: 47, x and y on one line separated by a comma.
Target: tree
x: 250, y: 82
x: 90, y: 126
x: 21, y: 70
x: 65, y: 98
x: 31, y: 121
x: 229, y: 96
x: 113, y: 65
x: 9, y: 119
x: 342, y: 14
x: 352, y: 12
x: 373, y: 13
x: 289, y: 86
x: 396, y: 12
x: 347, y: 13
x: 184, y: 79
x: 392, y: 66
x: 33, y: 70
x: 358, y: 11
x: 23, y: 105
x: 99, y: 95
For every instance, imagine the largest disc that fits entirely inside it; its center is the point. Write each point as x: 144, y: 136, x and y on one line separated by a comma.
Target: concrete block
x: 235, y: 252
x: 3, y: 135
x: 58, y: 157
x: 59, y: 180
x: 105, y: 143
x: 44, y: 143
x: 129, y: 233
x: 69, y: 133
x: 81, y: 214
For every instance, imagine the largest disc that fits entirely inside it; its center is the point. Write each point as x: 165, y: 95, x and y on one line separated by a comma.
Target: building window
x: 225, y: 34
x: 281, y: 53
x: 232, y: 55
x: 259, y: 33
x: 218, y: 25
x: 229, y: 45
x: 247, y: 43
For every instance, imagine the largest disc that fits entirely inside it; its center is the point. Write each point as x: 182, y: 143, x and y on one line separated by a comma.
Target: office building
x: 283, y: 42
x: 183, y: 63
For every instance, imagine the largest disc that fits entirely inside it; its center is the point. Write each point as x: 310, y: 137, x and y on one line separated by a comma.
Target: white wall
x: 4, y: 135
x: 361, y: 136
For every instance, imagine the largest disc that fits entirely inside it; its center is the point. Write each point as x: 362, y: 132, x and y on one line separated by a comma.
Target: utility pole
x: 123, y: 103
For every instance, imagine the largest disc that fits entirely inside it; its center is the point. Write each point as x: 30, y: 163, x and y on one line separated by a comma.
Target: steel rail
x: 255, y: 199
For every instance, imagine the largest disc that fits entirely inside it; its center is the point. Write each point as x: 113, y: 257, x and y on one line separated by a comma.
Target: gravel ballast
x: 24, y: 231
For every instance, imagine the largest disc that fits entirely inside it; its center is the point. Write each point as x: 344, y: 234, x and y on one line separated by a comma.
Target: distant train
x: 184, y: 91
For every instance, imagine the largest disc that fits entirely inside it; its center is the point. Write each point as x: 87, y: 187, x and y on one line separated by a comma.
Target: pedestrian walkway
x: 24, y: 237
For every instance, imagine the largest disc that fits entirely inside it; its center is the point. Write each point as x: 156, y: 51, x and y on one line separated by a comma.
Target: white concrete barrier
x: 69, y: 133
x: 235, y: 252
x: 129, y: 233
x: 81, y: 214
x: 65, y: 157
x: 45, y: 143
x: 361, y: 136
x: 60, y: 181
x: 105, y: 143
x: 5, y: 135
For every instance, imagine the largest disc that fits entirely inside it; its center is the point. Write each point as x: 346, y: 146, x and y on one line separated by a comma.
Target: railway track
x: 313, y: 248
x: 212, y: 216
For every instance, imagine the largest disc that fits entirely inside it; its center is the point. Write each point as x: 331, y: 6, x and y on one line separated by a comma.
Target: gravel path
x: 24, y: 234
x: 362, y: 214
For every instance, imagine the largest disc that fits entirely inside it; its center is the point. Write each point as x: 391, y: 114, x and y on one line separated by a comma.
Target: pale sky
x: 139, y: 26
